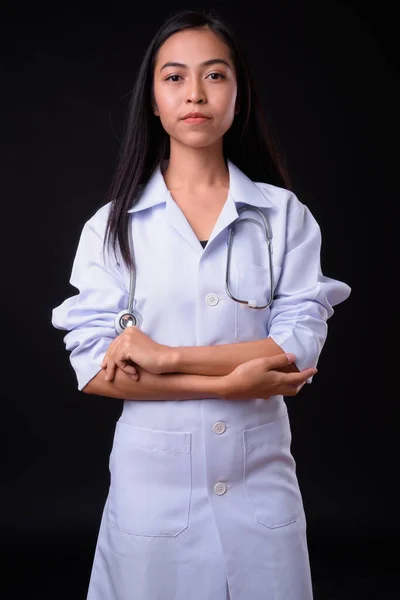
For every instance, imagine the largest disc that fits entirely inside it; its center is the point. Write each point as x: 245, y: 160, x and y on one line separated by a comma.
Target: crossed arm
x: 138, y: 368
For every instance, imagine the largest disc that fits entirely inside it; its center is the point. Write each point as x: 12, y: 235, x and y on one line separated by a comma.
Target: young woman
x: 189, y: 312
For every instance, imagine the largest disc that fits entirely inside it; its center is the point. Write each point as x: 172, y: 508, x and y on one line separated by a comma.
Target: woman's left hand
x: 133, y: 347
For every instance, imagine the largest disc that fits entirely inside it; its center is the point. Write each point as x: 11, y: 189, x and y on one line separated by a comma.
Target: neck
x: 196, y: 169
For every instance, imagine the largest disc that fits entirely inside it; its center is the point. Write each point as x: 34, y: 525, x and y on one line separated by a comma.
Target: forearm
x: 222, y: 359
x: 169, y: 386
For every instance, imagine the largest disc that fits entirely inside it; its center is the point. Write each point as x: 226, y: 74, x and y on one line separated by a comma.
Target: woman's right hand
x: 260, y: 378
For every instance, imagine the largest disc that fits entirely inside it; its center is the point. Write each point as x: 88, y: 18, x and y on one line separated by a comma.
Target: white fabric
x: 167, y: 533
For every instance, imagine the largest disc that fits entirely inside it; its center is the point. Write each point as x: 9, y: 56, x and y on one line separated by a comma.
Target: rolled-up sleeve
x: 89, y: 315
x: 304, y: 297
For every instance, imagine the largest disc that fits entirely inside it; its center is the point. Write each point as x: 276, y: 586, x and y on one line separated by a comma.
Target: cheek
x: 166, y: 105
x: 224, y: 102
x: 162, y: 91
x: 226, y: 110
x: 230, y: 101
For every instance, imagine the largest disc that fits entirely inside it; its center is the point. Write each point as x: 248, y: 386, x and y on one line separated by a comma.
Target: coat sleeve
x: 304, y: 297
x: 89, y: 315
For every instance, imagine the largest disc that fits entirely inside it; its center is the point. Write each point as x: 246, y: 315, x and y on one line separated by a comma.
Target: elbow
x: 91, y: 387
x: 90, y: 380
x: 87, y: 389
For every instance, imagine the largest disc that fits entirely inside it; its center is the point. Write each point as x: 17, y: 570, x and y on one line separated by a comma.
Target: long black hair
x: 248, y: 143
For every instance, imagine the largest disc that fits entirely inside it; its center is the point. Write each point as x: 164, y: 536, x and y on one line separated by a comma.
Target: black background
x: 328, y: 73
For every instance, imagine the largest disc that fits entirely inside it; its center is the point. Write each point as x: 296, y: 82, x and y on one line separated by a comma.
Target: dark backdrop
x: 328, y: 74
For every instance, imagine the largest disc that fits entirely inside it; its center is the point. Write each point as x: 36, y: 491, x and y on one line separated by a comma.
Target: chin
x: 196, y: 141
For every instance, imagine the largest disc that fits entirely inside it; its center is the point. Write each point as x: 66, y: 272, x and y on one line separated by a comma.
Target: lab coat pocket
x: 150, y: 486
x: 253, y: 282
x: 270, y: 474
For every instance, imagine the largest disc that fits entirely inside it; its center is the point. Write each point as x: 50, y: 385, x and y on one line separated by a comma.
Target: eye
x: 219, y: 76
x: 169, y: 78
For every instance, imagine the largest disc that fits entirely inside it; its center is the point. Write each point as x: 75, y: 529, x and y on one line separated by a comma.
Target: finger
x: 307, y: 373
x: 280, y: 360
x: 290, y: 390
x: 126, y: 367
x: 104, y: 363
x: 110, y: 370
x: 299, y: 378
x: 130, y: 369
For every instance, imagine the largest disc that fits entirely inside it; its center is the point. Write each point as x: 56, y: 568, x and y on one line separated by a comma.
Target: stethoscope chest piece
x: 125, y: 319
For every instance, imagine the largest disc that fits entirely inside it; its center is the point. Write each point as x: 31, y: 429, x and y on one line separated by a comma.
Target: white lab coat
x: 204, y: 503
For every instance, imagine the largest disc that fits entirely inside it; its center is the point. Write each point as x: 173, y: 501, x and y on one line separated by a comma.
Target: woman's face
x: 194, y: 72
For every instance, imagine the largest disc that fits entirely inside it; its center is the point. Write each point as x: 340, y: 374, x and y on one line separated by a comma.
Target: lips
x: 195, y: 115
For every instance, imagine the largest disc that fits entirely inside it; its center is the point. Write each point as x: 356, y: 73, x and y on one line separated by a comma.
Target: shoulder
x: 97, y: 222
x: 92, y: 238
x: 285, y: 203
x: 280, y: 198
x: 288, y: 209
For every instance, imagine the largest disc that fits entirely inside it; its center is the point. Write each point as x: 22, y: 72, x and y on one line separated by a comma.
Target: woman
x: 204, y: 502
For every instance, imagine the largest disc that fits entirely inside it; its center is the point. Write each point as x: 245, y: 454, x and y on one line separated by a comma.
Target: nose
x: 195, y: 92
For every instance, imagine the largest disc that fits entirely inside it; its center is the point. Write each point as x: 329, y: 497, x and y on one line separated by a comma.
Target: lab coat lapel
x: 176, y: 218
x: 227, y: 215
x: 241, y: 191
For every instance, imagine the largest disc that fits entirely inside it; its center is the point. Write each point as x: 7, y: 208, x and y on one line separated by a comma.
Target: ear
x: 155, y: 110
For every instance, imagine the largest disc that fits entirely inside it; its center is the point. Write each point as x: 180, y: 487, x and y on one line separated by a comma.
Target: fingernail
x: 291, y: 357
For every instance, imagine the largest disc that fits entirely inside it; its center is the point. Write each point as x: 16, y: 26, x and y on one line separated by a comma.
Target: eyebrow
x: 206, y: 63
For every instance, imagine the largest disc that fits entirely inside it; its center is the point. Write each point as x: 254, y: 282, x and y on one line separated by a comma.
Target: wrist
x: 221, y: 386
x: 171, y: 360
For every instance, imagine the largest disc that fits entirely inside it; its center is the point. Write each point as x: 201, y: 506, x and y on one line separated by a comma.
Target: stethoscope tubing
x: 268, y: 238
x: 128, y: 317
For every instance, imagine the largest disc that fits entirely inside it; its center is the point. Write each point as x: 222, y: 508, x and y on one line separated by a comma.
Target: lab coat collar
x: 155, y: 192
x: 242, y: 190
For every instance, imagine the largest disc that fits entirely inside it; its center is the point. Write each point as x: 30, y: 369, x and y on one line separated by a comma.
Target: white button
x: 212, y: 299
x: 220, y: 488
x: 219, y: 427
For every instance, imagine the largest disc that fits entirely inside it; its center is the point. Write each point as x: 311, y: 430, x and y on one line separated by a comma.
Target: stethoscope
x: 129, y: 317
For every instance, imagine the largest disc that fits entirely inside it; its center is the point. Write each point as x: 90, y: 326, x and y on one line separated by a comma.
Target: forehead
x: 193, y: 45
